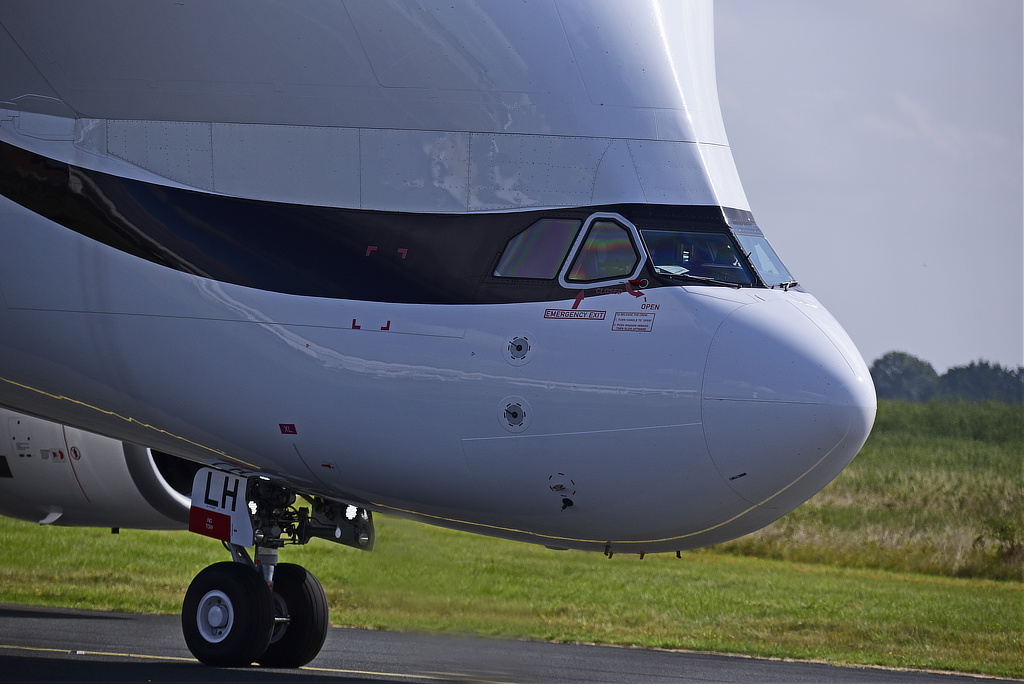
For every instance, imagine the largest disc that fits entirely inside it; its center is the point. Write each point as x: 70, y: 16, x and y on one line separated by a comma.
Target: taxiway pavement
x: 46, y: 644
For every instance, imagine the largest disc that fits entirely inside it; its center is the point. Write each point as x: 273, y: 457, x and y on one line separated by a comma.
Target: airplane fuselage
x: 613, y: 415
x: 472, y: 269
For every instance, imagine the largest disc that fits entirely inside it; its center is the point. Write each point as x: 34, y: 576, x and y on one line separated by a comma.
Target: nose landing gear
x: 239, y: 612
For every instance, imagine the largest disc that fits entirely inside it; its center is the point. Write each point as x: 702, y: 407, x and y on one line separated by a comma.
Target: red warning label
x: 209, y: 523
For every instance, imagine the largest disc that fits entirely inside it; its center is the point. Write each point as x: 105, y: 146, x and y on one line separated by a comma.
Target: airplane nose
x: 787, y: 400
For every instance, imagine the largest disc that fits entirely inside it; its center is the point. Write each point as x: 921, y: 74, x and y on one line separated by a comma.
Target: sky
x: 880, y: 146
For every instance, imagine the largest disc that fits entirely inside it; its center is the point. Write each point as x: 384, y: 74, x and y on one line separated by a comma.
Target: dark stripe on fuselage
x: 300, y: 249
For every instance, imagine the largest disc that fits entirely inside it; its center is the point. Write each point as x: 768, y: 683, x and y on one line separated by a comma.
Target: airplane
x: 267, y: 269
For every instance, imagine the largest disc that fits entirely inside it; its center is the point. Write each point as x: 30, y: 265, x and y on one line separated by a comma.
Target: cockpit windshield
x: 765, y: 260
x: 696, y: 255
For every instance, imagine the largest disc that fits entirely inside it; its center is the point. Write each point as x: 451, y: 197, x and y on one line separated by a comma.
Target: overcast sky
x: 880, y: 145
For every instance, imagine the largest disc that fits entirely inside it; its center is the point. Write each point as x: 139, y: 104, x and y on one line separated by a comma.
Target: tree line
x: 898, y: 375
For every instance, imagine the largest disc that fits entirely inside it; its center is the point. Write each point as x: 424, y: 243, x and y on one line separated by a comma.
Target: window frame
x: 634, y: 237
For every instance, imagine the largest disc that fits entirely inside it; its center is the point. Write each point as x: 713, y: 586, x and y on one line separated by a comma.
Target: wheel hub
x: 215, y: 616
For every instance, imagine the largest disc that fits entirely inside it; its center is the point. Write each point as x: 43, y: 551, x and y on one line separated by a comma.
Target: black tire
x: 228, y: 615
x: 299, y: 596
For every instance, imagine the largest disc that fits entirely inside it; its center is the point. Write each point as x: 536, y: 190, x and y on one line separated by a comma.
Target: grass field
x: 937, y: 489
x: 912, y: 558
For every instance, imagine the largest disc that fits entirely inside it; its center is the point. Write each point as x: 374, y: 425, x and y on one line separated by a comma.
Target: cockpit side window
x: 697, y: 254
x: 538, y: 251
x: 607, y: 252
x: 765, y: 260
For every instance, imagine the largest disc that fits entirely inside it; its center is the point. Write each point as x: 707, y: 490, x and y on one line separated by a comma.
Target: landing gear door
x: 219, y: 507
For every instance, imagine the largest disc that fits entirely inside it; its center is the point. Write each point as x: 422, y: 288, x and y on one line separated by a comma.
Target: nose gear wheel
x: 228, y: 615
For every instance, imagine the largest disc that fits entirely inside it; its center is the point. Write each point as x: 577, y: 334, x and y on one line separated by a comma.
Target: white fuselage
x: 669, y: 415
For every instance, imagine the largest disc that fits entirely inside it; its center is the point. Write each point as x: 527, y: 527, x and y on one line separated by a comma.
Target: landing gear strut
x: 244, y: 611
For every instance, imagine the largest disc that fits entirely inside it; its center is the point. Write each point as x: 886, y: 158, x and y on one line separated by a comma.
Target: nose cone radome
x: 787, y: 402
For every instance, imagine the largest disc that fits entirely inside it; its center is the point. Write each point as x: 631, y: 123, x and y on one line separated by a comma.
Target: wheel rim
x: 280, y: 625
x: 215, y: 616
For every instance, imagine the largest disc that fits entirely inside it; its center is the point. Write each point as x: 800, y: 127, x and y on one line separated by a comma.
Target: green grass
x: 428, y: 579
x: 912, y: 558
x: 937, y: 489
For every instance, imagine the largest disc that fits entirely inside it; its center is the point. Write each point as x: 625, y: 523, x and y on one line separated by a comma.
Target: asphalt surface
x: 54, y: 645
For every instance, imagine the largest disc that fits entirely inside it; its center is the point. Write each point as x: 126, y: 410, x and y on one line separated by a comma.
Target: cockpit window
x: 708, y: 256
x: 607, y: 252
x: 765, y: 260
x: 538, y: 252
